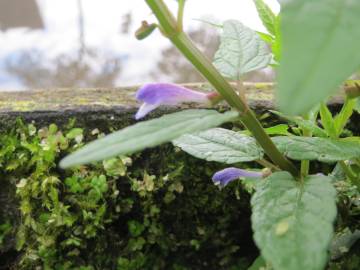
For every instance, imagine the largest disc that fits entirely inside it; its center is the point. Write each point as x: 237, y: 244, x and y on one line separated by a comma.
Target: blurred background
x: 91, y: 43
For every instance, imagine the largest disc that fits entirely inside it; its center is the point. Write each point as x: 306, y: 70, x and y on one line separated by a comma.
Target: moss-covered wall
x: 157, y: 210
x: 154, y: 210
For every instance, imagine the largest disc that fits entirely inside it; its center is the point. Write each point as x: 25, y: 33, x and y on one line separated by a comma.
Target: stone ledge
x: 103, y: 107
x: 259, y: 95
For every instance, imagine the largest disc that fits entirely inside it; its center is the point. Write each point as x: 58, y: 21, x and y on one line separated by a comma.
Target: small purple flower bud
x: 224, y: 177
x: 155, y: 94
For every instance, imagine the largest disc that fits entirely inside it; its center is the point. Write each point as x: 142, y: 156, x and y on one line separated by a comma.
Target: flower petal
x: 227, y: 175
x: 169, y: 94
x: 144, y: 109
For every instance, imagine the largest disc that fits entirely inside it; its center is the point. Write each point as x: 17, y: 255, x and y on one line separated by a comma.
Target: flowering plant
x: 294, y: 206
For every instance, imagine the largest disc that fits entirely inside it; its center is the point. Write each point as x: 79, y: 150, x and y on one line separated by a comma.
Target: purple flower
x: 155, y: 94
x: 224, y: 177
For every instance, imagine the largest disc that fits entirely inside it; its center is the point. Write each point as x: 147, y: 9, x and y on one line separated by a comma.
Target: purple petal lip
x: 224, y: 177
x: 155, y: 94
x: 168, y: 94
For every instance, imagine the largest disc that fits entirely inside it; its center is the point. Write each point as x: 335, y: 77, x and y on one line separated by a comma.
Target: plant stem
x: 305, y: 164
x: 205, y: 67
x: 267, y: 164
x: 180, y: 15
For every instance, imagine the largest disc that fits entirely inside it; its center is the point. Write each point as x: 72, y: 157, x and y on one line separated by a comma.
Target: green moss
x: 157, y: 210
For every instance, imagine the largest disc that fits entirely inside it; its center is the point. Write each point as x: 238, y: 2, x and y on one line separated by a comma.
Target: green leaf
x: 337, y: 173
x: 100, y: 183
x: 351, y: 139
x: 321, y: 149
x: 259, y: 264
x: 147, y: 134
x: 266, y: 15
x: 220, y: 145
x: 5, y: 230
x: 304, y: 124
x: 135, y: 228
x: 327, y: 121
x: 314, y: 113
x: 276, y: 47
x: 211, y: 22
x: 266, y: 37
x: 114, y: 167
x: 281, y: 129
x: 342, y: 118
x: 73, y: 184
x: 320, y: 49
x: 293, y: 221
x: 73, y: 133
x: 241, y: 51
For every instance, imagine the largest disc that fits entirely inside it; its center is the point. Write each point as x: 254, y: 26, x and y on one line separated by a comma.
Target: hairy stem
x: 205, y: 67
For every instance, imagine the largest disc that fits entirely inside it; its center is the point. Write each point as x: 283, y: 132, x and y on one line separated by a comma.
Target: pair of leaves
x: 147, y: 134
x: 230, y: 147
x: 346, y: 112
x: 242, y: 49
x: 293, y: 221
x: 304, y: 124
x: 320, y: 42
x: 334, y: 125
x: 327, y: 121
x: 272, y: 25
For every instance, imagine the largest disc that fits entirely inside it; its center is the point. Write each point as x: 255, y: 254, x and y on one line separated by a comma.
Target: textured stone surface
x: 98, y: 106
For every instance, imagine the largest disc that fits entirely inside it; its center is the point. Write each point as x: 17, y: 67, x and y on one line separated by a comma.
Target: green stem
x: 205, y: 67
x: 350, y: 174
x: 180, y: 14
x: 305, y: 164
x: 267, y: 164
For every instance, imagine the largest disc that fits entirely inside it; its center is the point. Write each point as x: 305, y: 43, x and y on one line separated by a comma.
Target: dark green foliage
x: 5, y: 229
x: 157, y: 210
